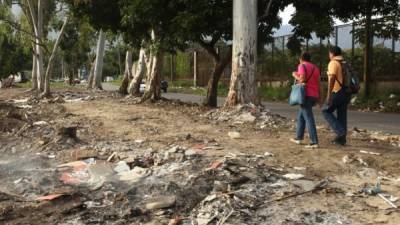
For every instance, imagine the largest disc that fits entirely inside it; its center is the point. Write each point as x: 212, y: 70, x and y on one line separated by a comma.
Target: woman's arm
x: 299, y: 75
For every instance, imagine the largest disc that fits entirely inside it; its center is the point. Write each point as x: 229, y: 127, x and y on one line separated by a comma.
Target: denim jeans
x: 340, y: 101
x: 306, y: 117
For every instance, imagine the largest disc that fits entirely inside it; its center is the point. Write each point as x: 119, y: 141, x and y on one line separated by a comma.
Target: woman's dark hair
x: 335, y: 50
x: 305, y: 56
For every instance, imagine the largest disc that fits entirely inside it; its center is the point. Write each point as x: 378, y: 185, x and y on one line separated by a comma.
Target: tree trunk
x: 368, y: 52
x: 153, y: 89
x: 51, y: 59
x: 127, y: 74
x: 34, y: 73
x: 98, y: 66
x: 39, y: 48
x: 133, y: 72
x: 242, y: 89
x: 219, y: 67
x: 134, y: 86
x: 91, y: 75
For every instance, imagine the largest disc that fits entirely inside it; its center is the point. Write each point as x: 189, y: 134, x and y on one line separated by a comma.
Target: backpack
x: 350, y: 78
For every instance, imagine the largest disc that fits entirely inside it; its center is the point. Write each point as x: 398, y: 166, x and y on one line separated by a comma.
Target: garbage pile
x: 178, y: 185
x: 248, y: 114
x: 377, y: 136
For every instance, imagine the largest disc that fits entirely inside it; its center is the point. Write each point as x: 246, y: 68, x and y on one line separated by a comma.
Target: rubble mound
x: 159, y: 187
x: 248, y: 114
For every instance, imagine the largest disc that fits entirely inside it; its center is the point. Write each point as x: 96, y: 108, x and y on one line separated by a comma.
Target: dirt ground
x: 108, y: 123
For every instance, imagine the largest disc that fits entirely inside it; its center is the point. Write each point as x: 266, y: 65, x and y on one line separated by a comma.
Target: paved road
x: 386, y: 122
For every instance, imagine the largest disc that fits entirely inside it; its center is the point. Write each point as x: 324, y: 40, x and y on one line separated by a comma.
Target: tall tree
x: 243, y: 89
x: 38, y: 14
x: 209, y: 23
x: 123, y: 89
x: 98, y: 65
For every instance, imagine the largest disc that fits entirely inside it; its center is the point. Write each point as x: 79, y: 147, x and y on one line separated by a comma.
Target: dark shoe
x: 340, y: 140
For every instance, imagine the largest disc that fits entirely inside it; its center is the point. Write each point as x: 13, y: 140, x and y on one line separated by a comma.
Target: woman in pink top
x: 308, y: 74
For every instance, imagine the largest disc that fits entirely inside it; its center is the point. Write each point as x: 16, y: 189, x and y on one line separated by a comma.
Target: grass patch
x: 387, y: 100
x: 117, y: 82
x: 268, y: 93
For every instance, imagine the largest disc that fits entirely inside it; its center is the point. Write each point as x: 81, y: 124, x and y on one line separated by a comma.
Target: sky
x: 287, y: 14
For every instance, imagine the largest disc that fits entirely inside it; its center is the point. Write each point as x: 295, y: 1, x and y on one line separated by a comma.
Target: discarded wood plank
x: 111, y: 156
x: 387, y: 200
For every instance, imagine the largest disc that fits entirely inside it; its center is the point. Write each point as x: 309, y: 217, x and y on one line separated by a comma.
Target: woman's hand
x: 295, y: 75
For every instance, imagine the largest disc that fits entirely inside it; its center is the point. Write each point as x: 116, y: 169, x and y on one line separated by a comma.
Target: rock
x: 134, y: 175
x: 40, y: 123
x: 234, y: 135
x: 299, y: 168
x: 293, y: 176
x: 191, y: 152
x: 306, y: 185
x: 174, y: 149
x: 246, y: 118
x: 348, y: 159
x: 161, y: 202
x: 368, y: 173
x: 122, y: 166
x: 139, y: 141
x: 98, y: 174
x: 268, y: 154
x: 59, y: 99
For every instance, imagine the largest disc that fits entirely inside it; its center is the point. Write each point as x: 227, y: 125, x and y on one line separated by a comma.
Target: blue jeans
x: 340, y: 101
x: 306, y: 117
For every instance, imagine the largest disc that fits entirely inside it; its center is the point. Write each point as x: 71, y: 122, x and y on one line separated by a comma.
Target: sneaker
x: 296, y: 141
x: 312, y: 146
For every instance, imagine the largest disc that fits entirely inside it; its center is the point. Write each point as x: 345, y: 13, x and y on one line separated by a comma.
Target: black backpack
x: 350, y: 77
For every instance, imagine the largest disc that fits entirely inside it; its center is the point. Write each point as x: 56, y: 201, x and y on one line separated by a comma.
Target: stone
x: 268, y: 154
x: 293, y: 176
x: 161, y: 202
x: 134, y: 175
x: 98, y: 174
x: 246, y: 118
x: 234, y: 135
x: 40, y: 123
x: 348, y: 159
x: 191, y: 152
x: 122, y: 166
x: 174, y: 149
x: 306, y: 185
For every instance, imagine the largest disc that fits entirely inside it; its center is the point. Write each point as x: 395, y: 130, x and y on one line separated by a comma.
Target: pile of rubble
x: 175, y: 186
x: 377, y: 136
x: 248, y: 114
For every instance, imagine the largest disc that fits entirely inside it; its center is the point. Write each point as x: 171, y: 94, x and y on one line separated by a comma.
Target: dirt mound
x: 12, y: 118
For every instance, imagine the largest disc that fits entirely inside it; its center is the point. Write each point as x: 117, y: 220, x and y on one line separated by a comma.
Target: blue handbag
x: 298, y: 93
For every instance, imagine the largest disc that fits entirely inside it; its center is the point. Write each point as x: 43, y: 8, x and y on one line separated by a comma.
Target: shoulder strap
x: 343, y: 72
x: 312, y: 73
